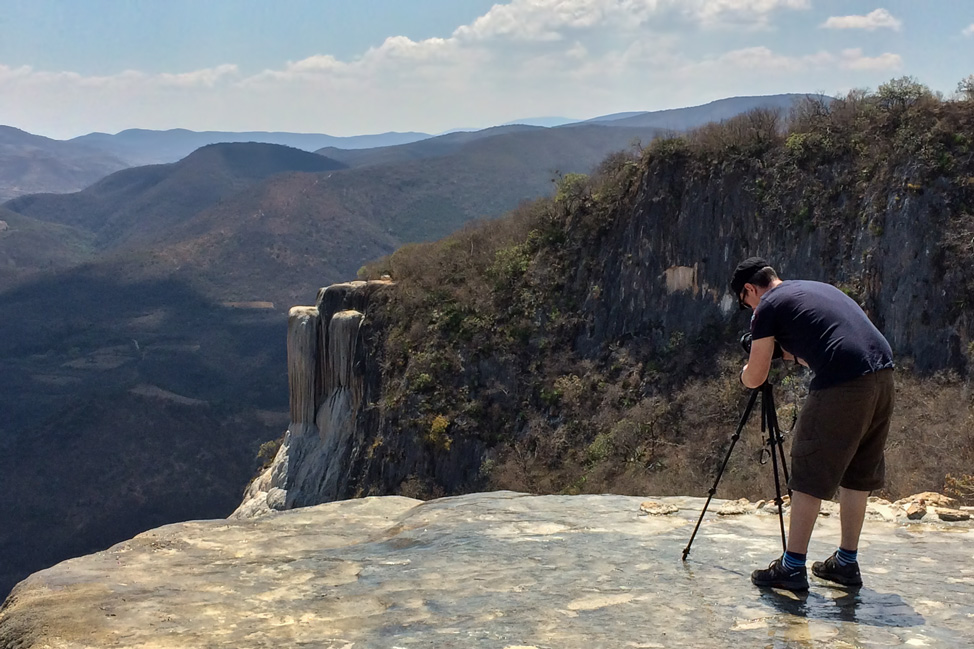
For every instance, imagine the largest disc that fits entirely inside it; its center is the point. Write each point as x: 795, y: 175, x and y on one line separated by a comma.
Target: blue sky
x: 345, y: 67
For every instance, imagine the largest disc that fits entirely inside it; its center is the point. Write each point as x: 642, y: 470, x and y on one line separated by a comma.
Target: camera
x: 746, y: 339
x: 746, y: 342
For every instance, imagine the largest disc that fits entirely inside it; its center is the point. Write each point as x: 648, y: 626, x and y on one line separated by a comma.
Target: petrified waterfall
x: 325, y: 379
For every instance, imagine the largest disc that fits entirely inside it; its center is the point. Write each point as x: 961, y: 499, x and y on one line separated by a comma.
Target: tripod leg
x: 713, y: 489
x: 781, y: 442
x: 769, y: 420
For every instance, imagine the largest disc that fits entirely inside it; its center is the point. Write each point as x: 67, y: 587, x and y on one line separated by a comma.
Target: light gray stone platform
x: 497, y: 571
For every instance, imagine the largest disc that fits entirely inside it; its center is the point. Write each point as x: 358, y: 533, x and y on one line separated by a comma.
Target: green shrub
x: 601, y: 448
x: 436, y: 436
x: 571, y: 189
x: 422, y: 382
x: 268, y: 451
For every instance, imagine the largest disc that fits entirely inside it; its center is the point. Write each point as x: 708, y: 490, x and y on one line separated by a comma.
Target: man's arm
x: 755, y: 373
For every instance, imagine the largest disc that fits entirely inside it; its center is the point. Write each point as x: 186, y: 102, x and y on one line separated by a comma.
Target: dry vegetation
x: 482, y: 330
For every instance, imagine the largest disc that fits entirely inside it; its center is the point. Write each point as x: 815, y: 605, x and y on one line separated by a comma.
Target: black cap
x: 745, y: 272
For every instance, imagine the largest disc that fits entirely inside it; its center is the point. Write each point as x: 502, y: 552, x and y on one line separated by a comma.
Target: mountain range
x: 142, y: 146
x: 33, y: 164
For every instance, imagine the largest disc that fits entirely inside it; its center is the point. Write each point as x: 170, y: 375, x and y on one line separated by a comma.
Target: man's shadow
x: 859, y: 605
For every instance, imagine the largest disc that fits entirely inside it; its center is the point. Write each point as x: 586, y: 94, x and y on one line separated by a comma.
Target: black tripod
x: 769, y: 422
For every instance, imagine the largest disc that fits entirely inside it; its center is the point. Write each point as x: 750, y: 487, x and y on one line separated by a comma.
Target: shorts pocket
x: 805, y: 447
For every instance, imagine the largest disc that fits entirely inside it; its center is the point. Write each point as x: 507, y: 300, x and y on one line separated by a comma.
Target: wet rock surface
x: 496, y: 570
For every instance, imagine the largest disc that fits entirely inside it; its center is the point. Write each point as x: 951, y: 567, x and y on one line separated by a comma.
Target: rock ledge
x: 495, y: 570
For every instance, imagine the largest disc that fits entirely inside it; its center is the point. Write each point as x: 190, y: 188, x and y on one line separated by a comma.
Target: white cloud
x: 853, y: 59
x: 203, y: 78
x: 969, y: 30
x: 764, y: 61
x: 9, y: 74
x: 876, y: 19
x: 760, y: 58
x: 207, y: 77
x: 319, y: 63
x: 714, y: 10
x: 578, y: 58
x: 549, y: 20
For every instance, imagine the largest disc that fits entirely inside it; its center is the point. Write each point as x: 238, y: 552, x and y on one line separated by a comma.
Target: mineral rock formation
x: 325, y: 377
x: 496, y: 571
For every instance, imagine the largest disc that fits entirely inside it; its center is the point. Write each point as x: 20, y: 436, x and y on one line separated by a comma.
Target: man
x: 841, y: 431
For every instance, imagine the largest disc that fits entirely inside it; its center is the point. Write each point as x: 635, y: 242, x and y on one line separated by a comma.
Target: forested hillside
x: 588, y: 342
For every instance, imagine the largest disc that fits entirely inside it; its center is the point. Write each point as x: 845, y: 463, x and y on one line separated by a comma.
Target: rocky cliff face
x: 883, y: 244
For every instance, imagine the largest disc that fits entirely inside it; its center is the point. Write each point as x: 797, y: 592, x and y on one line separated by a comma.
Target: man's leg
x: 789, y: 571
x: 865, y: 472
x: 852, y: 513
x: 804, y: 513
x: 843, y: 566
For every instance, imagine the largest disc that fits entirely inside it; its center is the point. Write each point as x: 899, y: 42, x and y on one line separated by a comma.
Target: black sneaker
x: 777, y: 576
x: 832, y: 570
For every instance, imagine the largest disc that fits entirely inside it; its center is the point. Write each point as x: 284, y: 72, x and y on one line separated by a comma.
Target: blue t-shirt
x: 823, y: 326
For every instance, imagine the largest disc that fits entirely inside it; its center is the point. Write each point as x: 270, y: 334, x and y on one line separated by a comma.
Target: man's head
x: 750, y: 277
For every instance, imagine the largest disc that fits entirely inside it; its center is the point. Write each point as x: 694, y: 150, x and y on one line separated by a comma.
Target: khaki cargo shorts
x: 840, y: 436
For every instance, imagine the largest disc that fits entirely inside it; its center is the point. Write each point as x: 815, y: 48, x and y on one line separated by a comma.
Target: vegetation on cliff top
x: 486, y: 330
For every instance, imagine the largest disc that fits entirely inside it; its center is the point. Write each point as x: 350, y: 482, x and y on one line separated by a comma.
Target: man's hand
x: 755, y: 373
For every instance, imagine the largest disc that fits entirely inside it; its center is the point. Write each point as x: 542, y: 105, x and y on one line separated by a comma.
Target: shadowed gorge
x: 126, y: 405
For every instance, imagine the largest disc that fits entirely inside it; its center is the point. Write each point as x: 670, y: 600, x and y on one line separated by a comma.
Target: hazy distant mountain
x: 659, y: 121
x: 32, y: 163
x: 433, y: 147
x: 141, y: 146
x: 612, y: 117
x: 681, y: 119
x: 137, y: 204
x: 541, y: 121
